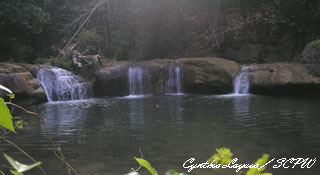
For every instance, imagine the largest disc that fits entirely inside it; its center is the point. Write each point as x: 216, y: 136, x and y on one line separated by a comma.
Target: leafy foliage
x: 315, y: 44
x: 146, y: 165
x: 19, y: 168
x: 63, y: 62
x: 223, y: 156
x: 11, y: 96
x: 5, y: 116
x: 144, y: 29
x: 21, y: 22
x: 259, y: 170
x: 90, y: 37
x: 19, y: 124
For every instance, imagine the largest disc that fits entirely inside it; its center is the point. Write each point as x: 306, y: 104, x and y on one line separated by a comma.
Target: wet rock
x: 283, y: 79
x: 20, y: 80
x: 205, y: 75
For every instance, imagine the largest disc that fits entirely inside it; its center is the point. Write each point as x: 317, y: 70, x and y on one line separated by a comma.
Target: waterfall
x: 174, y: 83
x: 139, y: 80
x: 61, y: 85
x: 241, y: 83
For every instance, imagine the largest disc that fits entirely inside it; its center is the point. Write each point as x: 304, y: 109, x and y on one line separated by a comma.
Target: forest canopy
x: 147, y: 29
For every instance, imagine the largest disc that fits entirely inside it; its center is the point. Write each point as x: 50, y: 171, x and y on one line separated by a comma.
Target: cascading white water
x: 61, y: 85
x: 174, y: 82
x: 241, y: 83
x: 139, y: 80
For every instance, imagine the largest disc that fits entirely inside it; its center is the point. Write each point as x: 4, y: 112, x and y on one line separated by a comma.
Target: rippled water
x: 101, y: 136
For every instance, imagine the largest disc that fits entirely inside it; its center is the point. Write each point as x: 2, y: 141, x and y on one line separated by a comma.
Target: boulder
x: 206, y: 75
x: 19, y: 79
x: 311, y: 57
x: 282, y: 79
x: 112, y: 80
x: 311, y: 53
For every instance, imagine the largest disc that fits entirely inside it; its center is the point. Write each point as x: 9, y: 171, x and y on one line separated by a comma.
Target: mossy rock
x: 314, y: 69
x: 315, y: 44
x: 311, y: 53
x: 62, y: 62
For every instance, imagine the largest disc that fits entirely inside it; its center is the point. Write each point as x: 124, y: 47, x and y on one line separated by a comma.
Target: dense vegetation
x: 145, y: 29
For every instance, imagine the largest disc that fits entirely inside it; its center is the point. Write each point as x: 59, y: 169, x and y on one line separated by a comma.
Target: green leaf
x: 223, y: 156
x: 5, y: 116
x: 146, y: 165
x: 174, y: 172
x: 11, y: 96
x: 15, y: 172
x: 19, y: 167
x: 19, y: 124
x: 256, y: 171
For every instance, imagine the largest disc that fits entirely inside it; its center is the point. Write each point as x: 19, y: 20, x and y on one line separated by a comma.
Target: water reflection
x: 175, y: 109
x: 60, y: 120
x: 136, y: 112
x: 241, y: 106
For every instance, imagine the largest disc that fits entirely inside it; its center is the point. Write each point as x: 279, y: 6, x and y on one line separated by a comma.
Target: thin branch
x: 6, y: 132
x: 18, y: 148
x: 84, y: 22
x: 75, y: 21
x: 140, y: 165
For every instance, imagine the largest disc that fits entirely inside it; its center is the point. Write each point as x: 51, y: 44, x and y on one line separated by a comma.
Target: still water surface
x: 101, y: 136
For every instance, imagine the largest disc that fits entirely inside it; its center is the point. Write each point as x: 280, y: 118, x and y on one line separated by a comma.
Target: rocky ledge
x: 19, y: 78
x: 282, y: 79
x: 206, y: 75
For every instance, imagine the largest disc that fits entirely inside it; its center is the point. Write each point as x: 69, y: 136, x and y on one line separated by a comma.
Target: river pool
x: 101, y: 136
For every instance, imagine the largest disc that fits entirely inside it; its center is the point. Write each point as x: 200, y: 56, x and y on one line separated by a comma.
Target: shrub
x: 315, y: 44
x: 62, y: 62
